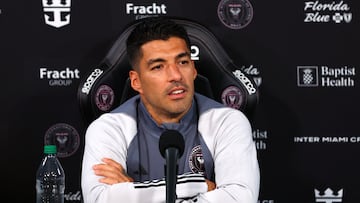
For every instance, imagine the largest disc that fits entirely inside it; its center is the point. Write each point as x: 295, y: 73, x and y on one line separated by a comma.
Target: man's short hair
x: 149, y: 29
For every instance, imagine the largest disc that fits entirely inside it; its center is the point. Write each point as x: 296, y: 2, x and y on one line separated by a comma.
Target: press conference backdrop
x: 304, y: 56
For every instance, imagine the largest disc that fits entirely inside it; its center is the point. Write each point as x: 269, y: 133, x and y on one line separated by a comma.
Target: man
x: 122, y: 162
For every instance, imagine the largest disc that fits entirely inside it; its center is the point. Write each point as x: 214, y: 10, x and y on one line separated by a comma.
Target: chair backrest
x: 107, y: 85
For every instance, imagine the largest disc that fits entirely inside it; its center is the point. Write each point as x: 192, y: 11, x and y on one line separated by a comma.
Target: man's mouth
x: 175, y: 92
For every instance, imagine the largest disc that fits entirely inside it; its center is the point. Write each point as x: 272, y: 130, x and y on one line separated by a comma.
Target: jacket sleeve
x: 230, y: 142
x: 188, y: 185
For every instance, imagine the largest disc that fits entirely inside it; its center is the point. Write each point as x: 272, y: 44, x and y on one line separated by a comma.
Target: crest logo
x: 65, y: 137
x: 235, y: 14
x: 328, y: 196
x: 196, y: 160
x: 232, y: 97
x: 307, y: 76
x: 56, y: 12
x: 104, y: 97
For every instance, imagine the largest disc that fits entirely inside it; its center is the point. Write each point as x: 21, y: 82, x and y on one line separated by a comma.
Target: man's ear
x: 135, y: 81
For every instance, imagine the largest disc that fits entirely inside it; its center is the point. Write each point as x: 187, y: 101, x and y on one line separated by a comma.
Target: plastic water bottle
x: 50, y: 178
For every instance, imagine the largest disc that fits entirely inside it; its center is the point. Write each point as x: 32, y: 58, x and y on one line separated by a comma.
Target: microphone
x: 171, y: 146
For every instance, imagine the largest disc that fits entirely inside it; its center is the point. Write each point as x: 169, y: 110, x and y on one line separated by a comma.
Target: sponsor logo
x: 266, y: 201
x: 59, y: 77
x: 73, y: 196
x: 307, y: 76
x: 90, y: 80
x: 143, y: 11
x: 65, y: 137
x: 195, y: 52
x: 254, y: 72
x: 57, y: 12
x: 104, y: 97
x: 235, y: 14
x: 196, y: 160
x: 324, y: 76
x: 232, y: 97
x: 328, y: 196
x: 318, y: 12
x: 327, y: 139
x: 245, y: 80
x: 260, y: 137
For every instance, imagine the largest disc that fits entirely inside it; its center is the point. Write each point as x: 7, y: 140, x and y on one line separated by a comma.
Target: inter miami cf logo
x: 65, y: 137
x: 235, y: 14
x: 104, y: 98
x: 196, y: 160
x: 57, y: 12
x: 232, y: 97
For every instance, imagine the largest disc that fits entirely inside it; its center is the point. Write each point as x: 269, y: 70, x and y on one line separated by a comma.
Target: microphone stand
x: 171, y: 174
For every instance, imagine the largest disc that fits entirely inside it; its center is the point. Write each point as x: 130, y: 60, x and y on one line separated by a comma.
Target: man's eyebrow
x: 157, y: 60
x: 182, y: 55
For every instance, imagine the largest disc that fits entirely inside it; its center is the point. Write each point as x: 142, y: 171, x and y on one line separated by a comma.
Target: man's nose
x: 174, y: 73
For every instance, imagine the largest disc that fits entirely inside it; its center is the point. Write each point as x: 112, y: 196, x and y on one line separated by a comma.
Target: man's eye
x: 184, y: 62
x: 156, y: 67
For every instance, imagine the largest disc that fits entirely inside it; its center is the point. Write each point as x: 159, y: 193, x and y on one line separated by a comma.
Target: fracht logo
x: 57, y: 12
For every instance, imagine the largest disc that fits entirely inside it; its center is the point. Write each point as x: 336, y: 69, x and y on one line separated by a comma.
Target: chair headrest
x: 107, y: 85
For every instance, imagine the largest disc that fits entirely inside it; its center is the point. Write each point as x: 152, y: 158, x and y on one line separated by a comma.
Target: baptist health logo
x: 260, y: 138
x: 324, y: 76
x: 56, y: 12
x: 328, y: 196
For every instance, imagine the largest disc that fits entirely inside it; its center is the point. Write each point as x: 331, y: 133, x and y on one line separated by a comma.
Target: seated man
x: 122, y: 161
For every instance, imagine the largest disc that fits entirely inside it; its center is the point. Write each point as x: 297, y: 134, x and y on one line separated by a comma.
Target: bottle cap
x: 50, y: 149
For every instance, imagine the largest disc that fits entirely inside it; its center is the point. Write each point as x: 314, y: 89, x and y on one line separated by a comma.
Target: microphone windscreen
x: 171, y: 138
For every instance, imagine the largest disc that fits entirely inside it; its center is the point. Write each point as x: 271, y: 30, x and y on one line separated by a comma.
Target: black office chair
x: 107, y: 85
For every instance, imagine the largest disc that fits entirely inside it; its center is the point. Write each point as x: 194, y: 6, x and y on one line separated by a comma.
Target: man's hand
x: 211, y: 185
x: 112, y: 172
